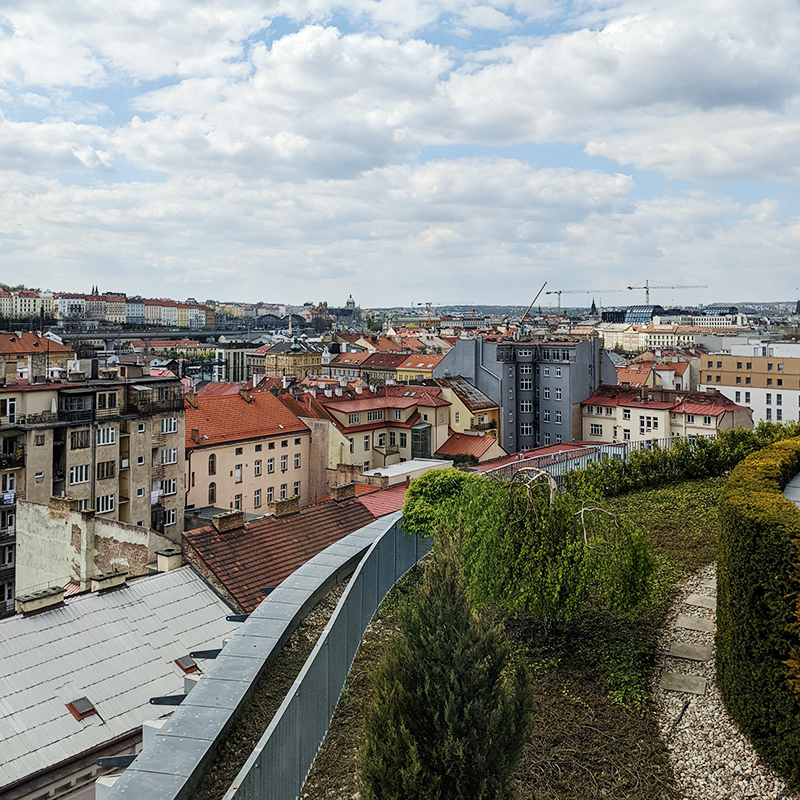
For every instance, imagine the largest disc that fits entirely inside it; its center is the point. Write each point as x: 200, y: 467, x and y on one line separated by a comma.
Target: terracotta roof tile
x: 465, y: 444
x: 266, y: 551
x: 26, y: 342
x: 387, y: 501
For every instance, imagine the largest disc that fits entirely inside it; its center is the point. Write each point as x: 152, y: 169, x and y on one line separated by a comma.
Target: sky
x: 403, y: 151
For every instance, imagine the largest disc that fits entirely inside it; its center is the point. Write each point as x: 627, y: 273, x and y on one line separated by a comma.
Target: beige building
x: 624, y: 414
x: 471, y: 409
x: 244, y: 451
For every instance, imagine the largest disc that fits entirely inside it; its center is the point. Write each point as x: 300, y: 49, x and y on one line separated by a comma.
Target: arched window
x: 212, y: 464
x: 212, y: 493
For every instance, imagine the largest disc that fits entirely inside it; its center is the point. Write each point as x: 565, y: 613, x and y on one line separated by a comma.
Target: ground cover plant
x: 593, y: 731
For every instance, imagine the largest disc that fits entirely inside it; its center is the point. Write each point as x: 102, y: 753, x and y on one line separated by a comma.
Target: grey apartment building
x: 538, y: 385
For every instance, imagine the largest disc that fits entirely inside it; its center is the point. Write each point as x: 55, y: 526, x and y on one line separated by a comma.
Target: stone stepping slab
x: 701, y: 601
x: 676, y: 682
x: 692, y: 623
x: 691, y: 652
x: 711, y: 583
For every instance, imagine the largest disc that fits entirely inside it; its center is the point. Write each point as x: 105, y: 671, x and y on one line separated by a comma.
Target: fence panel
x: 282, y: 759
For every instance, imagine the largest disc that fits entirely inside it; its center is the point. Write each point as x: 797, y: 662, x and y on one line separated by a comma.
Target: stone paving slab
x: 702, y: 601
x: 691, y: 623
x: 691, y: 652
x: 709, y: 584
x: 675, y: 682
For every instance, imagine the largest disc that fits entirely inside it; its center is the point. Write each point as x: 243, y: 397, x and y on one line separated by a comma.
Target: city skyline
x: 454, y: 151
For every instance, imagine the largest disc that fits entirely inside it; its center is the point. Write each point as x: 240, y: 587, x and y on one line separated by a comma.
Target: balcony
x: 85, y: 415
x: 147, y: 407
x: 12, y: 460
x: 28, y: 420
x: 387, y: 450
x: 483, y: 426
x: 11, y: 497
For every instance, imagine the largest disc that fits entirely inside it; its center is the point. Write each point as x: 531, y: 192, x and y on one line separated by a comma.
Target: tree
x: 450, y: 709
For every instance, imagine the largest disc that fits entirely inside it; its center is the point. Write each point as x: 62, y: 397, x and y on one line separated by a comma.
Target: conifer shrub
x: 756, y: 597
x: 450, y: 708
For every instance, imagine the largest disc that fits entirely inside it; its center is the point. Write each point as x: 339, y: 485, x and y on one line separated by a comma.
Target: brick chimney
x: 343, y: 491
x: 196, y: 435
x: 282, y: 508
x: 229, y: 521
x: 191, y: 399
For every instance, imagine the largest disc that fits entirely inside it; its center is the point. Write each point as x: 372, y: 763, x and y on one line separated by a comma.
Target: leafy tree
x: 533, y: 551
x: 450, y: 710
x: 427, y: 493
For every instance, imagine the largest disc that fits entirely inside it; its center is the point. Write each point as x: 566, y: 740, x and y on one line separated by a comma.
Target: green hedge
x: 685, y: 460
x: 756, y: 598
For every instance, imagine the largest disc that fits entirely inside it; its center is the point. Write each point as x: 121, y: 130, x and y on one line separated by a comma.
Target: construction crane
x: 559, y: 292
x: 647, y: 287
x: 528, y: 311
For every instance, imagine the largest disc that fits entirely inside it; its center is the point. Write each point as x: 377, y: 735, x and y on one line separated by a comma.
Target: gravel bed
x: 710, y: 757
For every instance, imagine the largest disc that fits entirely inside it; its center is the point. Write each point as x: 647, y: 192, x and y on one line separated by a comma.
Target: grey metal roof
x: 117, y: 649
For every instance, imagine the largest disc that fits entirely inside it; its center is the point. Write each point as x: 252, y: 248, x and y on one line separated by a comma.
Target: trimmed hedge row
x: 756, y: 598
x: 685, y: 460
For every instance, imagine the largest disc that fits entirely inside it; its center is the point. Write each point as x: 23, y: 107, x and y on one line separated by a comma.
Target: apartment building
x: 538, y: 386
x: 298, y: 358
x: 112, y: 445
x: 244, y: 451
x: 471, y: 409
x: 626, y: 414
x: 763, y: 377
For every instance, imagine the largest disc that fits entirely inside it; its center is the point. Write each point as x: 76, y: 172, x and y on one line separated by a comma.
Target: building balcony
x: 12, y: 460
x: 9, y: 498
x: 86, y: 415
x: 388, y: 450
x: 483, y: 426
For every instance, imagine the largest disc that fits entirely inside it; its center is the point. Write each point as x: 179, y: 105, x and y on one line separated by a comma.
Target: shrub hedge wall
x: 685, y: 460
x: 756, y: 597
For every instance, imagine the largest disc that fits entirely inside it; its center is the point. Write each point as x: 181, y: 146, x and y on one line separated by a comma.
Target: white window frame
x: 169, y: 425
x: 106, y: 503
x: 106, y: 436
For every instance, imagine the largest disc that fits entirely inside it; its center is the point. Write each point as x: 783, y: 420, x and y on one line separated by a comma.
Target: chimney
x: 196, y: 435
x: 282, y: 508
x: 229, y: 521
x: 328, y: 393
x: 285, y: 381
x: 359, y: 389
x: 191, y: 399
x: 108, y: 580
x: 40, y: 601
x: 343, y: 491
x: 338, y: 391
x: 168, y: 559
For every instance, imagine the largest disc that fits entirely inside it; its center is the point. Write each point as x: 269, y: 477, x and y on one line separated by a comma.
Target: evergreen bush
x: 450, y: 708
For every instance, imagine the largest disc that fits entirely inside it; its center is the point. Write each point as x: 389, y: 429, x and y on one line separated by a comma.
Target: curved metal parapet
x: 279, y: 765
x: 172, y: 763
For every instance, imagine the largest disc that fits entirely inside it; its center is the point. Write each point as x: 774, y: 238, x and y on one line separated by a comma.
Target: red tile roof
x: 24, y: 343
x: 218, y: 389
x: 266, y: 551
x: 232, y: 418
x: 421, y: 362
x: 465, y: 444
x: 387, y: 501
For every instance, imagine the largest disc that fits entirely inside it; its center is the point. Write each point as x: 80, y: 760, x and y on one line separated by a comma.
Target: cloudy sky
x: 403, y: 150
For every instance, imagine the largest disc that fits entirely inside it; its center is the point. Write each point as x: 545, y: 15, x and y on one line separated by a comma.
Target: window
x: 381, y: 440
x: 690, y: 419
x: 366, y: 442
x: 626, y: 434
x: 105, y: 503
x: 546, y: 371
x: 749, y: 365
x: 738, y: 365
x: 747, y: 381
x: 780, y: 380
x: 374, y: 416
x: 609, y: 411
x: 238, y: 451
x: 403, y: 440
x: 525, y: 384
x: 352, y: 443
x: 546, y: 415
x: 169, y: 455
x: 140, y: 461
x: 212, y: 493
x: 738, y: 379
x: 738, y: 397
x: 39, y: 477
x: 297, y: 460
x: 526, y: 406
x: 297, y: 488
x: 706, y: 420
x: 769, y: 413
x: 170, y: 486
x: 271, y: 465
x: 558, y: 397
x: 258, y: 448
x: 237, y: 502
x: 106, y: 469
x: 142, y: 427
x: 558, y: 417
x: 83, y: 505
x: 526, y: 429
x: 283, y: 491
x: 769, y: 381
x: 769, y: 367
x: 140, y: 492
x: 769, y: 398
x: 169, y: 425
x: 779, y: 414
x: 558, y: 438
x: 626, y: 413
x: 719, y: 365
x: 237, y: 473
x: 710, y: 364
x: 170, y: 517
x: 596, y: 430
x: 285, y: 443
x: 398, y: 414
x: 546, y: 392
x: 79, y: 439
x: 778, y: 399
x: 257, y: 467
x: 79, y: 474
x: 270, y: 494
x: 39, y: 441
x: 526, y: 369
x: 547, y: 438
x: 353, y: 419
x: 212, y: 464
x: 747, y: 397
x: 257, y: 498
x: 719, y: 378
x: 284, y: 463
x: 106, y: 436
x: 270, y: 445
x: 392, y: 439
x: 558, y: 372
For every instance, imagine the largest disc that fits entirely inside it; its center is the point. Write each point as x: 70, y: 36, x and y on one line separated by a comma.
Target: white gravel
x: 710, y: 757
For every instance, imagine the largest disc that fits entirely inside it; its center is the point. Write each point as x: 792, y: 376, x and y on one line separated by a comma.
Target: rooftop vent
x: 81, y: 708
x: 187, y: 664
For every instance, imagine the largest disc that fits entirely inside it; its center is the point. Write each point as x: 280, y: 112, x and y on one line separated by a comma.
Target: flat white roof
x: 409, y: 467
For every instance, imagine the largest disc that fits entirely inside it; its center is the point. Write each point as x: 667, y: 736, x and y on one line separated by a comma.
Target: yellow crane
x: 559, y: 292
x: 647, y: 287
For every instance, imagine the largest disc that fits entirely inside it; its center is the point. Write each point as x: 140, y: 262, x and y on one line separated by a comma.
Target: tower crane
x: 647, y: 287
x: 528, y: 311
x: 559, y: 292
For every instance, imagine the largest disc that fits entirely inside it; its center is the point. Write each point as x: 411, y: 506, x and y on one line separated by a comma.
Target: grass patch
x: 594, y: 732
